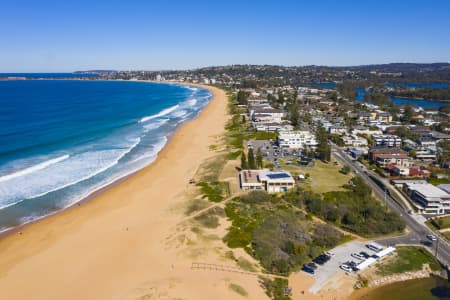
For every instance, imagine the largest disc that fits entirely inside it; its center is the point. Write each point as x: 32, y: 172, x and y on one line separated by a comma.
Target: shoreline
x: 93, y: 194
x: 111, y: 246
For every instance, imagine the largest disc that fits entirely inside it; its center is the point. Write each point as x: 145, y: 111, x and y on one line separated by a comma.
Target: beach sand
x: 127, y: 242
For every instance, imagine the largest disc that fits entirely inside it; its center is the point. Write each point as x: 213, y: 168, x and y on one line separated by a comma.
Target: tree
x: 294, y: 115
x: 242, y: 97
x: 443, y: 156
x: 445, y: 109
x: 259, y: 159
x: 408, y: 113
x: 251, y: 159
x: 323, y: 148
x: 244, y: 164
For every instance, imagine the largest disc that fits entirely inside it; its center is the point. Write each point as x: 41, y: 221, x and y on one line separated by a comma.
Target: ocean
x: 61, y: 140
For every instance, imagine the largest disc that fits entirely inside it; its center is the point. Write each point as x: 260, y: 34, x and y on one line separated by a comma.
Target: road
x: 419, y: 231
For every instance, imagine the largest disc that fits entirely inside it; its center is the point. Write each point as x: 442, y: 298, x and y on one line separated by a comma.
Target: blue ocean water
x: 60, y: 140
x: 406, y: 101
x: 48, y: 75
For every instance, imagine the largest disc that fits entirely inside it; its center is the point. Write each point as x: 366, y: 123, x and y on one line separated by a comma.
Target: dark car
x: 364, y: 254
x: 311, y: 265
x: 427, y: 243
x: 308, y: 269
x: 321, y: 259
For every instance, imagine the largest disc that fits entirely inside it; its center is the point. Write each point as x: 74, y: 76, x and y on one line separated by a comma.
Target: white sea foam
x: 191, y: 102
x: 68, y: 172
x: 160, y: 114
x: 154, y: 152
x: 34, y: 168
x: 155, y: 125
x: 178, y: 113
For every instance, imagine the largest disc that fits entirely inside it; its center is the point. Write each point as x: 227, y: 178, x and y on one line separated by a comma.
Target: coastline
x: 93, y: 194
x: 122, y: 243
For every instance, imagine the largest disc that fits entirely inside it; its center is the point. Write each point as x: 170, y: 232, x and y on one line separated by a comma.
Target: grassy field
x: 323, y: 177
x: 440, y: 223
x: 409, y: 258
x: 446, y: 235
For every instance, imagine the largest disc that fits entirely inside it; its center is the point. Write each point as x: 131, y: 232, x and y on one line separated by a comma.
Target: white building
x: 267, y: 115
x: 275, y: 182
x: 296, y: 139
x: 272, y: 182
x: 428, y: 198
x: 364, y: 130
x: 387, y: 140
x: 272, y: 127
x: 354, y: 141
x: 336, y: 129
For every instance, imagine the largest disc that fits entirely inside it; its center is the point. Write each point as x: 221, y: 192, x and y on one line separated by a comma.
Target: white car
x: 431, y: 237
x: 346, y: 268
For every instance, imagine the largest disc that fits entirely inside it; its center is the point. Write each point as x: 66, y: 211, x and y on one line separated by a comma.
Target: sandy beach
x: 127, y: 243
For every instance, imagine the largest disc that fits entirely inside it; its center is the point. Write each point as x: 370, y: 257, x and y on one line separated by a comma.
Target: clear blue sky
x: 52, y: 36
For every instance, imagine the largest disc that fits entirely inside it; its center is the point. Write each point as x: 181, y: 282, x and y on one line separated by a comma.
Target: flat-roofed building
x: 387, y: 140
x: 276, y: 182
x: 249, y: 180
x: 385, y: 151
x: 296, y: 139
x: 428, y: 198
x: 445, y: 187
x: 384, y: 160
x: 267, y: 115
x: 272, y: 182
x: 354, y: 141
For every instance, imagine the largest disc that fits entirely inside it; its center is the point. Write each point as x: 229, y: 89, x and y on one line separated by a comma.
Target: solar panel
x: 278, y: 175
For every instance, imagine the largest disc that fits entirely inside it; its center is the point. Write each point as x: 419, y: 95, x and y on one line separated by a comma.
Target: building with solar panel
x: 272, y: 182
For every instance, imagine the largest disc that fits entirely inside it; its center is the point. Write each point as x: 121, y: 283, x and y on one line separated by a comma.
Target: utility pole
x: 385, y: 195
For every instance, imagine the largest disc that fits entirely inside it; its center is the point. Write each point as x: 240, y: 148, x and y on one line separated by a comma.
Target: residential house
x: 353, y: 140
x: 336, y: 129
x: 387, y: 140
x: 383, y: 156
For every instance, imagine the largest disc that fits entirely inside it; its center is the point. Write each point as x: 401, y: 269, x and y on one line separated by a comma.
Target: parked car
x: 322, y: 259
x: 308, y: 269
x: 311, y: 265
x: 431, y: 237
x: 357, y: 256
x: 364, y: 254
x: 346, y: 268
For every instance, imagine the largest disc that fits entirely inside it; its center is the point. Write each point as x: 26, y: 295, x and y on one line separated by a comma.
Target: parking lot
x: 272, y: 152
x: 342, y: 254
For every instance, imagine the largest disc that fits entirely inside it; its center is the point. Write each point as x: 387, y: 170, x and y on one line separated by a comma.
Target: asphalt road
x: 418, y: 231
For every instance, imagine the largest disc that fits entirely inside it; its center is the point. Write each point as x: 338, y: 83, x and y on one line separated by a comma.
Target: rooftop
x: 282, y: 176
x: 427, y: 190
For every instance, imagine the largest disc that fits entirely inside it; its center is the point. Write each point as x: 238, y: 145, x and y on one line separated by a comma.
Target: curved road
x: 440, y: 248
